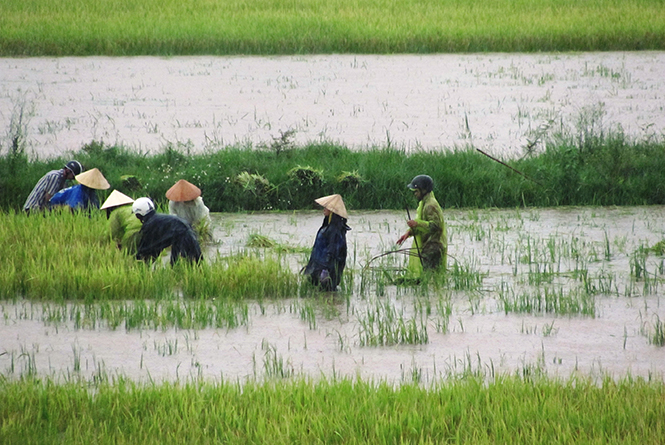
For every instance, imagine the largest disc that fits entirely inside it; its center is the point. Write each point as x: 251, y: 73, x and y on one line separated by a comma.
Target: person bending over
x: 160, y: 231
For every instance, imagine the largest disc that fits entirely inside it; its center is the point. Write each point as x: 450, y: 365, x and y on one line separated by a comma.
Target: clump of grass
x: 351, y: 180
x: 257, y: 189
x: 382, y: 325
x: 284, y: 143
x: 656, y: 334
x: 306, y: 177
x: 256, y: 240
x: 544, y: 300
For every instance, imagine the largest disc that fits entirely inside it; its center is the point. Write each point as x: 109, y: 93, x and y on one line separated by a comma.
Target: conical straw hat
x: 334, y: 203
x: 116, y: 199
x: 93, y: 179
x: 183, y: 191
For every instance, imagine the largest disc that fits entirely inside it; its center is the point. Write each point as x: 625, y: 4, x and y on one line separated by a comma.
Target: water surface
x: 572, y: 252
x: 501, y: 103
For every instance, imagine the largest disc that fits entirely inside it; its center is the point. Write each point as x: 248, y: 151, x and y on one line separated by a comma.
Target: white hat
x: 334, y: 203
x: 116, y: 199
x: 93, y: 179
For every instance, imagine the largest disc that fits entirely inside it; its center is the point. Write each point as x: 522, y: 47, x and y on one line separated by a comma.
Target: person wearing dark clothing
x: 160, y: 231
x: 328, y: 258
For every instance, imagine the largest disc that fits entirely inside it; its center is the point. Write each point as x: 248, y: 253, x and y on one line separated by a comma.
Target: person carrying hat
x: 82, y: 196
x: 185, y: 201
x: 125, y: 228
x: 430, y: 244
x: 160, y: 231
x: 328, y: 258
x: 50, y: 184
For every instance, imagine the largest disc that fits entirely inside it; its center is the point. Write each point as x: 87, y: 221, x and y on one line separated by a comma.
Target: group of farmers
x: 137, y: 228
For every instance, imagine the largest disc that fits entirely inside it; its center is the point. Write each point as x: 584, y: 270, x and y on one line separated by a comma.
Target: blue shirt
x: 77, y: 197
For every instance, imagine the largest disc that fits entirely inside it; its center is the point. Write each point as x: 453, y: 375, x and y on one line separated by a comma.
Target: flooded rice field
x: 498, y: 102
x: 561, y: 292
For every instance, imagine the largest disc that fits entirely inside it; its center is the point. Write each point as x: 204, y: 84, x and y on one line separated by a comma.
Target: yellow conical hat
x: 94, y: 179
x: 334, y: 203
x: 183, y: 191
x: 116, y: 199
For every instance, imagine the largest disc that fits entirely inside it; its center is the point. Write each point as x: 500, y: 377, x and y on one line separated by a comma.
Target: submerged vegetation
x: 580, y: 169
x: 151, y: 27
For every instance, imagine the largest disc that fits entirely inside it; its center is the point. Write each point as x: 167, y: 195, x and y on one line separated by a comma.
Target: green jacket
x: 430, y: 243
x: 125, y: 227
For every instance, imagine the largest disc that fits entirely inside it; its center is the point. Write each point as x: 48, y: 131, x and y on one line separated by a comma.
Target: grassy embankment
x: 124, y: 27
x: 511, y: 410
x: 591, y: 170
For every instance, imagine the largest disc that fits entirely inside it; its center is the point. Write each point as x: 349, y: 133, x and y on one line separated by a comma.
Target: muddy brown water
x: 500, y: 103
x: 506, y: 247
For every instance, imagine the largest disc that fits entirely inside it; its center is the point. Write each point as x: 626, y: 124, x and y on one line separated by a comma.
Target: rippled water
x: 498, y: 102
x: 516, y: 252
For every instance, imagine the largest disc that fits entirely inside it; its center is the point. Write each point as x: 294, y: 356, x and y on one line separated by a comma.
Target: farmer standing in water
x: 428, y: 229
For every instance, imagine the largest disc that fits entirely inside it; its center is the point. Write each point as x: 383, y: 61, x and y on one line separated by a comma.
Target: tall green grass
x: 124, y: 27
x: 508, y: 410
x: 575, y: 170
x: 70, y: 256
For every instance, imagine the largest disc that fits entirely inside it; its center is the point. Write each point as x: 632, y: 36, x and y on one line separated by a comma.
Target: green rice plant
x: 543, y: 300
x: 239, y: 276
x: 464, y: 410
x: 167, y: 348
x: 256, y: 189
x: 273, y: 363
x: 655, y: 334
x: 221, y: 28
x: 549, y: 329
x: 256, y: 240
x: 382, y: 325
x: 91, y: 268
x: 305, y: 177
x: 464, y: 276
x: 639, y: 272
x: 350, y: 180
x: 262, y: 241
x: 307, y: 314
x: 444, y: 310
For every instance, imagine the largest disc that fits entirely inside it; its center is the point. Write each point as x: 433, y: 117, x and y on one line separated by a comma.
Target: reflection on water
x: 567, y: 257
x: 498, y: 102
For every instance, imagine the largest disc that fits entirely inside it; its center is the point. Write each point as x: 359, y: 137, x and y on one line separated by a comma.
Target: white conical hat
x: 116, y: 199
x: 334, y: 203
x: 183, y: 191
x: 94, y: 179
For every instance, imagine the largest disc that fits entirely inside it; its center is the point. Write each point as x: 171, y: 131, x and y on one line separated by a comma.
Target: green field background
x: 231, y: 27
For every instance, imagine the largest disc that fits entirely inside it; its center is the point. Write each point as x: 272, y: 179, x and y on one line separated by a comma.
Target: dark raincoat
x: 160, y: 231
x: 328, y: 259
x: 77, y: 197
